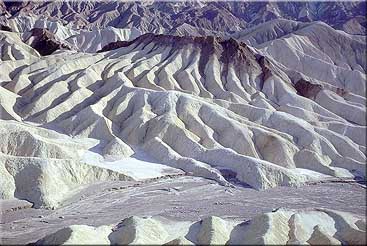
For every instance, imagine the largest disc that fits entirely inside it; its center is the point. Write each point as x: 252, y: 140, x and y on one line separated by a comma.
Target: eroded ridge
x: 203, y: 105
x: 281, y: 227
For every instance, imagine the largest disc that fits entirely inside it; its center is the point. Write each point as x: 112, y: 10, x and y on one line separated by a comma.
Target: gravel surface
x: 179, y: 198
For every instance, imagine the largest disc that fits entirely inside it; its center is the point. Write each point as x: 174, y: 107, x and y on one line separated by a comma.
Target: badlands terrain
x: 182, y: 123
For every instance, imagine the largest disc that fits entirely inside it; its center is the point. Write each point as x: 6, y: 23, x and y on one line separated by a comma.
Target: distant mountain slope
x: 312, y: 49
x: 163, y: 17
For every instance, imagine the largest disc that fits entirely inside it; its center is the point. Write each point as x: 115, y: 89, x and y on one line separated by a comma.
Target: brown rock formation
x: 45, y: 42
x: 265, y: 68
x: 307, y: 89
x: 228, y: 51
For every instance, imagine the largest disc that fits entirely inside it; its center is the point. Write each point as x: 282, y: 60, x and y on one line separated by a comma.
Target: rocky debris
x: 148, y: 181
x: 313, y: 226
x: 44, y: 41
x: 307, y: 89
x: 12, y: 205
x: 341, y: 92
x: 114, y: 46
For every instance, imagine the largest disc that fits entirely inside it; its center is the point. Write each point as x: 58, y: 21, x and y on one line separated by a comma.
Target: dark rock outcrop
x: 310, y: 90
x: 5, y: 28
x: 45, y: 42
x: 114, y: 46
x: 341, y: 92
x: 227, y: 50
x: 266, y: 70
x: 307, y: 89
